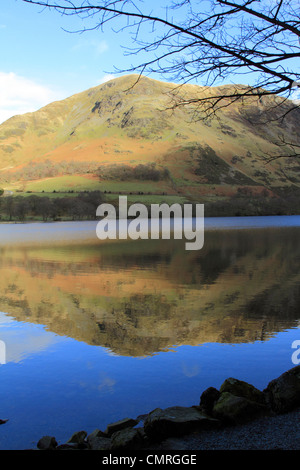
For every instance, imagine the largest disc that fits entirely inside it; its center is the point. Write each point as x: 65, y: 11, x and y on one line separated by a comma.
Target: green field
x: 64, y: 184
x: 79, y: 183
x: 148, y: 199
x: 51, y: 194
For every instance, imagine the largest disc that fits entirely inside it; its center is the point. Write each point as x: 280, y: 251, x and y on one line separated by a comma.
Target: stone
x: 99, y: 443
x: 283, y: 393
x: 232, y: 409
x: 208, y: 399
x: 119, y: 425
x: 67, y: 446
x: 94, y: 434
x: 47, y: 443
x: 240, y: 388
x: 78, y: 438
x: 128, y: 438
x: 97, y: 440
x: 176, y: 421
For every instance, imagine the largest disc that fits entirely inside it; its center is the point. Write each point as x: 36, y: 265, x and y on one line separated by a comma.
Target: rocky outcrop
x: 283, y: 393
x: 47, y: 443
x: 208, y: 399
x: 233, y: 409
x: 176, y: 421
x: 240, y: 388
x: 119, y: 425
x: 128, y: 438
x: 236, y: 403
x: 78, y: 438
x: 99, y: 443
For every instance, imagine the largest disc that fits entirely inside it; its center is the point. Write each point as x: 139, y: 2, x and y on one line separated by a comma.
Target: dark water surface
x: 93, y: 332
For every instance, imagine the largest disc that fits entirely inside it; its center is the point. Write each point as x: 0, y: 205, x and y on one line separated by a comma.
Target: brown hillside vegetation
x: 126, y: 122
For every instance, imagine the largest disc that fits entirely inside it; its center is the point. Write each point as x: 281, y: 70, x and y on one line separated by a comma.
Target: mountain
x: 125, y: 136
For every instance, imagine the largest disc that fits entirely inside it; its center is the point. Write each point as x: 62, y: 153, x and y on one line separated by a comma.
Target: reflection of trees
x: 272, y: 302
x: 140, y: 298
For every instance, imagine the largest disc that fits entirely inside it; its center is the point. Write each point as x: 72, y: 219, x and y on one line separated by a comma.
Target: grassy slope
x: 117, y: 124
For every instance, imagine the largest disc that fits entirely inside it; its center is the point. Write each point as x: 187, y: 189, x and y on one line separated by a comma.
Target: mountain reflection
x: 139, y: 298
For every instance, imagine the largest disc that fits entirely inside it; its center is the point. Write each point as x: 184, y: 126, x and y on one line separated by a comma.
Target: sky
x: 41, y: 62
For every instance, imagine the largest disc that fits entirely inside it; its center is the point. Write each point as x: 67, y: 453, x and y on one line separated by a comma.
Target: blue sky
x: 41, y: 63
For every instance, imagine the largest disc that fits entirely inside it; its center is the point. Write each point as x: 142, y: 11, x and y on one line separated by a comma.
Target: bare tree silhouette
x: 207, y: 42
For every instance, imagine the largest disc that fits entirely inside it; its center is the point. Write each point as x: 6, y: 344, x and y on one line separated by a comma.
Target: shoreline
x: 280, y: 432
x: 16, y: 234
x: 236, y: 417
x: 62, y: 220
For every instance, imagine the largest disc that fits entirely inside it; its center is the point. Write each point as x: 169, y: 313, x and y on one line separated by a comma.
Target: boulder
x: 99, y: 443
x: 176, y: 421
x: 128, y: 438
x: 208, y: 399
x: 47, y: 443
x: 283, y: 393
x: 78, y: 438
x: 97, y: 440
x: 232, y: 409
x: 67, y: 446
x: 240, y: 388
x: 95, y: 433
x: 119, y: 425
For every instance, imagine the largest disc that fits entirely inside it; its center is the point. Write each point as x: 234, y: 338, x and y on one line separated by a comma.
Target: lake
x: 95, y: 331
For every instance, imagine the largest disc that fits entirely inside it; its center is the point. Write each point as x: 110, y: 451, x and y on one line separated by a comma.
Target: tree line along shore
x: 82, y: 205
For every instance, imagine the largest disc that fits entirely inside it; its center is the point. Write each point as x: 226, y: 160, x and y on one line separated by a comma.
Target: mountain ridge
x: 97, y: 135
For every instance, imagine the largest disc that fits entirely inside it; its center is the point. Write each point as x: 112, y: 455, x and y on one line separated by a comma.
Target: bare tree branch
x: 291, y: 150
x: 231, y: 37
x: 190, y: 42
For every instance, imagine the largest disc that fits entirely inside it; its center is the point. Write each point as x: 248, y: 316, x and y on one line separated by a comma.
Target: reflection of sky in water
x: 22, y: 340
x: 56, y: 385
x: 74, y: 231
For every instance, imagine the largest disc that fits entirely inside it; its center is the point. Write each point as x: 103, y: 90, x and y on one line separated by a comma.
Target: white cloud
x: 106, y: 78
x: 19, y: 95
x: 295, y: 96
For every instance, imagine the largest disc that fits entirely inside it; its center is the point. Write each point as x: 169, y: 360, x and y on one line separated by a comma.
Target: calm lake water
x: 92, y: 332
